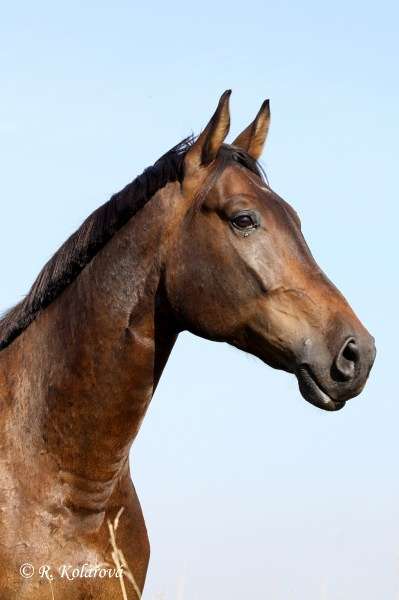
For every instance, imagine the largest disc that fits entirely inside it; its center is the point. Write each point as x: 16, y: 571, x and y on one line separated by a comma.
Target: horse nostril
x: 347, y: 359
x: 350, y: 351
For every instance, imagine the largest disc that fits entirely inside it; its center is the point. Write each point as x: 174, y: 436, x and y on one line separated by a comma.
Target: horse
x: 198, y: 242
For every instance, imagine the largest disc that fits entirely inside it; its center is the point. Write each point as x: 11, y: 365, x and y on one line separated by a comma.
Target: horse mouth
x: 313, y: 393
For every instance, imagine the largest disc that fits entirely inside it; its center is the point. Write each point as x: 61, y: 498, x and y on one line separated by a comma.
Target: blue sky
x: 247, y: 490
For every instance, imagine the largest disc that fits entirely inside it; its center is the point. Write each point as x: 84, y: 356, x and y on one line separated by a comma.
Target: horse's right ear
x: 206, y: 147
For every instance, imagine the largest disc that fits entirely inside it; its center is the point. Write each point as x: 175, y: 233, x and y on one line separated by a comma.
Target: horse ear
x: 253, y: 138
x: 205, y: 148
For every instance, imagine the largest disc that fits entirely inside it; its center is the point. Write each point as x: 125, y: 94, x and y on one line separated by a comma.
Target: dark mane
x: 79, y: 249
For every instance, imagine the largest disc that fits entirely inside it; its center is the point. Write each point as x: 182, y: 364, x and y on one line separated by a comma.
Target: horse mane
x: 99, y: 227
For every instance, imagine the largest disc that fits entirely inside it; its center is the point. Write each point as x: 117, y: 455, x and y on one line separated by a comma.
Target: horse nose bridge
x: 339, y: 319
x: 322, y: 292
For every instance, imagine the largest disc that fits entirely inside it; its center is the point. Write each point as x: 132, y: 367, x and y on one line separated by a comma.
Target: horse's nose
x: 355, y: 358
x: 347, y: 360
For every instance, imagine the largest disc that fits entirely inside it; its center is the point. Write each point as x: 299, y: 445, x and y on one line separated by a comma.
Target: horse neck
x: 93, y: 358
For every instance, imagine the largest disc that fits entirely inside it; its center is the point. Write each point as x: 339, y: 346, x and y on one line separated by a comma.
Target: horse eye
x: 244, y: 221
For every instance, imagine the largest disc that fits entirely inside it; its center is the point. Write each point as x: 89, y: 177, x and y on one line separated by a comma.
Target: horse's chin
x: 313, y: 393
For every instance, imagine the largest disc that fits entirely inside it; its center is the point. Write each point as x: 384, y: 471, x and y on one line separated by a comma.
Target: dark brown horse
x: 198, y: 242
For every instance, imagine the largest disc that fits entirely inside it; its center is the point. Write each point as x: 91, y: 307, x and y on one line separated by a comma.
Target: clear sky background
x: 247, y: 490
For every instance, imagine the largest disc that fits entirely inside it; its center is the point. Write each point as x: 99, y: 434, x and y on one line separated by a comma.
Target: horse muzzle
x: 329, y: 386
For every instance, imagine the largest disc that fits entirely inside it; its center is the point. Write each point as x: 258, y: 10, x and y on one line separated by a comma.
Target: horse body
x: 75, y: 384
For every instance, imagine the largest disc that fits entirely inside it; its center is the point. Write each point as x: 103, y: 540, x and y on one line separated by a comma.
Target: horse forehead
x: 236, y: 179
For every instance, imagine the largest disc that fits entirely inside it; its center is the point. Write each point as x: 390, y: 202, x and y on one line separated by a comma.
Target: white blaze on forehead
x: 261, y: 187
x: 255, y: 183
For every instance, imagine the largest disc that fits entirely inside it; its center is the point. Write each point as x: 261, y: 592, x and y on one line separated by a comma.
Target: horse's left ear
x: 205, y: 148
x: 253, y: 138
